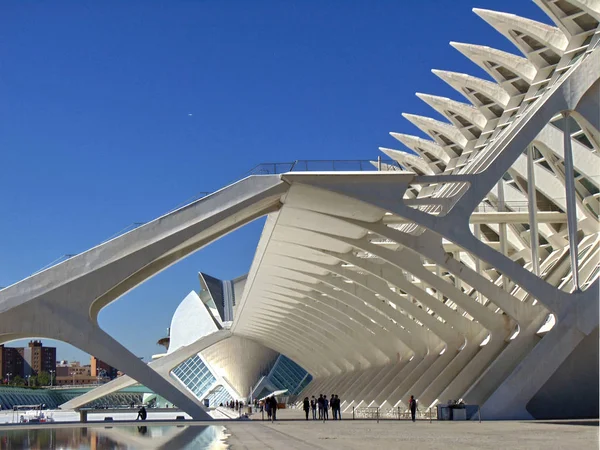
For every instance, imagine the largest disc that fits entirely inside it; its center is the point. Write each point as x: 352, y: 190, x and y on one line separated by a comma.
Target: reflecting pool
x: 116, y: 437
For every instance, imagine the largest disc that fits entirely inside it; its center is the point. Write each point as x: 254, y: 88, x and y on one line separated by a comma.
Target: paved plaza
x: 293, y: 432
x: 349, y: 435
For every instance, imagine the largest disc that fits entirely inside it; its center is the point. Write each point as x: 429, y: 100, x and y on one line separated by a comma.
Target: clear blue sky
x: 96, y: 131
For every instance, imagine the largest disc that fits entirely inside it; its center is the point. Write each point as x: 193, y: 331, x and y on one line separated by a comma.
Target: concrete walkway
x: 370, y: 435
x: 293, y: 432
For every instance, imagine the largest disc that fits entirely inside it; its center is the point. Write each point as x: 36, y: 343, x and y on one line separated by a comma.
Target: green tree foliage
x: 43, y: 379
x: 17, y: 381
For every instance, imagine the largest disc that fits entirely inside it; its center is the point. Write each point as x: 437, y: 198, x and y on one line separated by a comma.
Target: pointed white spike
x: 481, y: 55
x: 420, y: 145
x: 507, y: 24
x: 459, y: 81
x: 427, y: 125
x: 443, y: 104
x: 407, y: 159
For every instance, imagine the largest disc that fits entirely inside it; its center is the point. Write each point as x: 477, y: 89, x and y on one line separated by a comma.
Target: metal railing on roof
x: 323, y: 165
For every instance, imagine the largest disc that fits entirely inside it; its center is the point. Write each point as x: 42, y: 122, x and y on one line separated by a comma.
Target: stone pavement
x: 422, y: 435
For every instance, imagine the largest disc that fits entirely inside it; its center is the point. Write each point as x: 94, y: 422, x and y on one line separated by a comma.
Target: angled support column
x: 571, y: 199
x: 162, y: 366
x: 502, y: 229
x: 63, y: 302
x: 534, y: 241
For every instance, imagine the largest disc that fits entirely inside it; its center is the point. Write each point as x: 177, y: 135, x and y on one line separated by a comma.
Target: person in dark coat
x: 142, y: 414
x: 412, y: 404
x: 333, y: 406
x: 306, y: 406
x: 320, y: 405
x: 273, y: 408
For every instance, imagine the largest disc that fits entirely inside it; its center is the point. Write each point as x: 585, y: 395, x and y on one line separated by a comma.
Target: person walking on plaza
x: 268, y: 407
x: 273, y: 408
x: 325, y: 408
x: 313, y: 406
x: 306, y: 406
x: 320, y: 405
x: 334, y: 406
x: 412, y: 404
x: 142, y: 414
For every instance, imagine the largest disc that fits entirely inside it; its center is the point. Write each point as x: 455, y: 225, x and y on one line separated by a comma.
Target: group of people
x: 237, y: 405
x: 270, y: 405
x: 322, y: 405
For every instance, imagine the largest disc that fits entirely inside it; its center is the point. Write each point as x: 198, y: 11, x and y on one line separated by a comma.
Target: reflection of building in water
x: 54, y: 438
x: 115, y: 438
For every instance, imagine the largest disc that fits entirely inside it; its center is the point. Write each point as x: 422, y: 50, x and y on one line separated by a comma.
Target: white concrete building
x: 467, y: 269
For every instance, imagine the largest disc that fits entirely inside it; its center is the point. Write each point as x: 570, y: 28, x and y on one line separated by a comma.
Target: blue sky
x: 115, y: 112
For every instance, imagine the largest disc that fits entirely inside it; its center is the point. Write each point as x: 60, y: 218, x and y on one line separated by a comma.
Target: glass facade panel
x: 218, y: 396
x: 194, y: 374
x: 286, y: 374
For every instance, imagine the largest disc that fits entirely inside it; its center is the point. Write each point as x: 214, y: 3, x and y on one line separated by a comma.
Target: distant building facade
x: 11, y: 363
x: 38, y: 358
x: 99, y: 368
x: 74, y: 373
x: 26, y: 361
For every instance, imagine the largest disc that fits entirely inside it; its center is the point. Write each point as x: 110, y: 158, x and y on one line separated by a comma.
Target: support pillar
x: 534, y: 241
x: 571, y: 200
x: 477, y: 234
x: 502, y: 229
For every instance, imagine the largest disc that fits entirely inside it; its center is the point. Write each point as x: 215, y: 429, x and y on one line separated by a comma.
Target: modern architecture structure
x: 467, y: 268
x: 286, y: 377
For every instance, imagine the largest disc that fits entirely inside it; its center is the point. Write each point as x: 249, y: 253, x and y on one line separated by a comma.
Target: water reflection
x: 116, y: 437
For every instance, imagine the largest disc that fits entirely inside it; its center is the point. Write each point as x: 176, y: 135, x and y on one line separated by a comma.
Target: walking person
x: 273, y: 408
x: 313, y: 406
x: 320, y: 406
x: 142, y: 414
x: 334, y: 407
x: 306, y: 407
x: 412, y: 404
x: 338, y: 404
x: 325, y: 408
x: 268, y: 408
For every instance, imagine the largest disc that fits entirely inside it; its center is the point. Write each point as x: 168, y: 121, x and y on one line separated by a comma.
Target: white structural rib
x: 512, y: 72
x: 541, y: 44
x: 428, y: 150
x: 456, y: 112
x: 412, y: 162
x: 443, y: 133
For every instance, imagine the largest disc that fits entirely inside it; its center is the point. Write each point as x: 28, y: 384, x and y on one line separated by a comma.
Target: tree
x: 18, y: 381
x: 43, y: 378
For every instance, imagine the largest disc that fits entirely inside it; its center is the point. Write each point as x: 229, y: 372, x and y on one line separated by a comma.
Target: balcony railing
x: 324, y: 165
